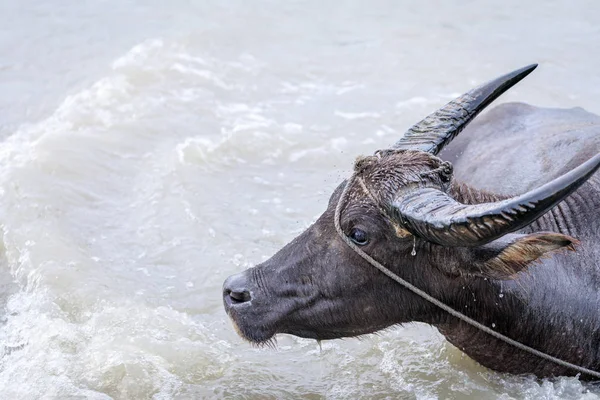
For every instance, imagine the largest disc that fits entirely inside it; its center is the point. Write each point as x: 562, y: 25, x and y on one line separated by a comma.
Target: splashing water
x: 151, y: 151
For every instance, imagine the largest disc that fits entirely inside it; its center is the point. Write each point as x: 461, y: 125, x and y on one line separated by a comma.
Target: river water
x: 150, y: 149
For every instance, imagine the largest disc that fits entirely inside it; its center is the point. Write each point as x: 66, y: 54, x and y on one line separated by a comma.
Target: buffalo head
x: 402, y: 208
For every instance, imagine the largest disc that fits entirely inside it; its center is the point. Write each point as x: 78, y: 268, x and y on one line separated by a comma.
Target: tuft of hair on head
x: 362, y: 163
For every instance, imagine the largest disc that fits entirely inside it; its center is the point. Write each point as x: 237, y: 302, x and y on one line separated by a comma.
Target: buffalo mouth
x: 251, y: 326
x: 259, y: 323
x: 255, y: 334
x: 255, y: 331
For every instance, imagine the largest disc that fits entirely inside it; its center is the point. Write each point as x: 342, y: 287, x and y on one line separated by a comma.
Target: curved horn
x: 434, y: 216
x: 438, y: 129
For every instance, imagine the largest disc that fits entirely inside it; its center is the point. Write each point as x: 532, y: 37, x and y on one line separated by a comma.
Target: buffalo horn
x: 438, y: 129
x: 436, y: 217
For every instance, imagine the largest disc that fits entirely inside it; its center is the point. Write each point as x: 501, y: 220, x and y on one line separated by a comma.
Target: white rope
x: 438, y: 303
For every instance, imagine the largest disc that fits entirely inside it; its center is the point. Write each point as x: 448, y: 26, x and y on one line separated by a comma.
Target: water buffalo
x: 524, y: 265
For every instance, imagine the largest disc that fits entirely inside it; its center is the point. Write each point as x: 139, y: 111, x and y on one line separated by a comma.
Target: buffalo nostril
x: 235, y: 289
x: 241, y: 296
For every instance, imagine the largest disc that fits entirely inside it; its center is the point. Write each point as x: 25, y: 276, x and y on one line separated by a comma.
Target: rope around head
x: 433, y: 300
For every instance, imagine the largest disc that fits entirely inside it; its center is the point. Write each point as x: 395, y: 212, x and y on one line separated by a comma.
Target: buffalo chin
x: 324, y: 334
x: 256, y: 335
x: 265, y: 336
x: 314, y: 335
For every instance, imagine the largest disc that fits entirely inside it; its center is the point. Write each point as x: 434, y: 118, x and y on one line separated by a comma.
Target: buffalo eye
x: 359, y: 236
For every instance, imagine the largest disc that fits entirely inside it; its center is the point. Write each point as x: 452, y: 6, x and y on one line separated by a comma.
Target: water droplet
x: 501, y: 295
x: 414, y: 250
x: 493, y: 325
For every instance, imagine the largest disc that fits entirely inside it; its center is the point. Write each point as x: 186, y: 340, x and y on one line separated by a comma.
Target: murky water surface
x: 150, y: 149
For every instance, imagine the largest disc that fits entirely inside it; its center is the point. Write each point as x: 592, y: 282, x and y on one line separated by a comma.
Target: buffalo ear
x: 505, y: 257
